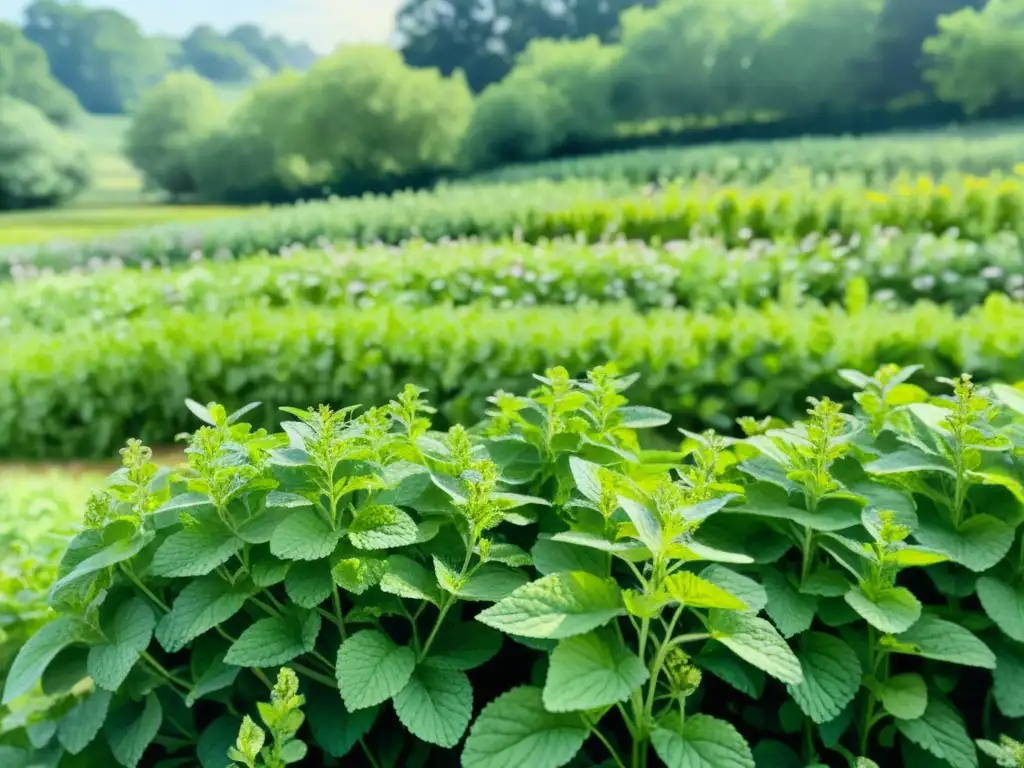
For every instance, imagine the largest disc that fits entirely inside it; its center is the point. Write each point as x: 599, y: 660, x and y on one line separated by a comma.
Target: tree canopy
x: 25, y: 75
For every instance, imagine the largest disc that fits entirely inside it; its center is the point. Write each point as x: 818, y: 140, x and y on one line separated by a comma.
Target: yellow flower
x: 876, y: 197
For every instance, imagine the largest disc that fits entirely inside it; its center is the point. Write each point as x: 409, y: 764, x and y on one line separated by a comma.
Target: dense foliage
x: 40, y: 164
x: 25, y: 75
x: 540, y: 589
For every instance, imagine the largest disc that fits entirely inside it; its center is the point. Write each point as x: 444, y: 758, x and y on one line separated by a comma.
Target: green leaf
x: 941, y: 731
x: 304, y: 535
x: 77, y: 729
x: 832, y: 675
x: 203, y: 604
x: 215, y: 741
x: 1004, y: 605
x: 335, y: 730
x: 770, y: 501
x: 891, y: 609
x: 407, y: 578
x: 935, y: 638
x: 380, y: 526
x: 825, y: 583
x: 557, y: 606
x: 758, y: 643
x: 774, y: 754
x: 309, y: 583
x: 647, y: 526
x: 585, y: 475
x: 791, y: 611
x: 129, y: 732
x: 464, y: 646
x: 694, y: 592
x: 1008, y: 678
x: 904, y: 696
x: 701, y: 742
x: 492, y: 582
x: 746, y: 589
x: 551, y: 556
x: 358, y: 574
x: 259, y: 529
x: 127, y: 637
x: 908, y: 459
x: 518, y: 460
x: 37, y: 653
x: 641, y: 417
x: 119, y: 551
x: 275, y: 640
x: 515, y: 731
x: 267, y: 570
x: 979, y: 543
x: 591, y: 671
x: 727, y: 667
x: 215, y: 676
x: 1010, y: 396
x: 436, y: 705
x: 195, y: 551
x: 372, y: 668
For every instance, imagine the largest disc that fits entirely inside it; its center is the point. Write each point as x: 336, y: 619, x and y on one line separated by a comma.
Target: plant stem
x: 302, y: 669
x: 162, y: 671
x: 867, y: 720
x: 808, y: 555
x: 368, y: 753
x: 337, y: 611
x: 262, y: 677
x: 601, y: 737
x: 447, y: 602
x: 143, y: 588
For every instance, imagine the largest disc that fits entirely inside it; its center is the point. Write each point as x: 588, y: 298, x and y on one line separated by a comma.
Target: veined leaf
x: 591, y: 671
x: 127, y: 637
x: 336, y: 730
x: 358, y: 574
x: 701, y: 742
x: 37, y: 653
x: 642, y: 417
x: 791, y: 610
x: 304, y: 535
x: 372, y: 668
x: 464, y: 646
x: 694, y: 592
x: 492, y: 582
x: 309, y: 583
x: 118, y: 552
x: 516, y: 730
x: 941, y: 731
x: 758, y: 643
x: 203, y: 604
x: 129, y: 732
x: 436, y: 705
x: 1004, y: 605
x: 935, y: 638
x: 746, y: 589
x: 275, y: 640
x: 557, y: 606
x: 648, y: 529
x: 77, y: 729
x: 832, y: 675
x: 379, y: 526
x: 891, y: 610
x: 904, y: 696
x: 978, y: 543
x: 550, y: 556
x: 195, y: 551
x: 407, y: 578
x: 726, y: 666
x: 1008, y: 678
x: 770, y: 501
x: 585, y: 474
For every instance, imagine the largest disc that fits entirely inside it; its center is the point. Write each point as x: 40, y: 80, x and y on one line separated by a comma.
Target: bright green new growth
x: 283, y: 718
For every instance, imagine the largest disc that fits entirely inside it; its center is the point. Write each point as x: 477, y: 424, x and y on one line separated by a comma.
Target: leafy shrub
x: 40, y: 165
x: 620, y: 589
x: 166, y: 126
x: 25, y: 75
x: 514, y: 121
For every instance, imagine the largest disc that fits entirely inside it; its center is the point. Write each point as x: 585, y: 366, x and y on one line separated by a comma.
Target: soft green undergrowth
x: 537, y: 590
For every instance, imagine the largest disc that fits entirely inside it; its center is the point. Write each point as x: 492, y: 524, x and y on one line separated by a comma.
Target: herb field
x: 724, y: 472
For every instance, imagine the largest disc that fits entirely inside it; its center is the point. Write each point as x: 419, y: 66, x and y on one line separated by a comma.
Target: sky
x: 321, y: 23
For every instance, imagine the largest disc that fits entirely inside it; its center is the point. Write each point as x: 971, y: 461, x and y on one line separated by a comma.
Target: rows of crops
x: 483, y: 554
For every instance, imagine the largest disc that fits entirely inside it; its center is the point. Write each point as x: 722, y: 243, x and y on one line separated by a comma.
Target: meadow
x: 689, y: 457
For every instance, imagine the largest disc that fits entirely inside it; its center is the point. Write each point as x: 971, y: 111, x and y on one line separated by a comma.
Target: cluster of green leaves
x: 699, y: 274
x: 977, y: 206
x: 875, y: 158
x: 610, y: 596
x: 75, y: 393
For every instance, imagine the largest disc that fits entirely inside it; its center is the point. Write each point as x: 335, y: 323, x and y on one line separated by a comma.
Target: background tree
x: 483, y: 38
x: 167, y: 125
x: 40, y: 165
x: 273, y: 52
x: 515, y: 121
x: 25, y: 74
x: 101, y: 55
x: 215, y: 57
x: 977, y: 57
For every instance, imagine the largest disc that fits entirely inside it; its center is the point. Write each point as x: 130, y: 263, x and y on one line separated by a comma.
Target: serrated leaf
x: 335, y: 730
x: 118, y: 552
x: 77, y: 729
x: 557, y: 606
x: 551, y: 556
x: 591, y: 671
x: 648, y: 529
x: 436, y: 705
x: 189, y: 500
x: 832, y: 675
x: 941, y: 732
x: 309, y: 583
x: 129, y: 732
x: 358, y: 574
x: 1008, y: 678
x: 492, y: 582
x: 285, y: 500
x: 904, y: 696
x: 275, y: 640
x: 908, y: 459
x: 726, y: 666
x: 304, y: 535
x: 979, y: 543
x: 935, y: 638
x: 694, y: 592
x: 701, y: 742
x: 791, y: 611
x: 195, y: 551
x: 380, y: 526
x: 770, y: 501
x: 215, y: 677
x: 585, y: 475
x: 641, y: 417
x: 509, y: 554
x: 267, y: 571
x: 891, y: 609
x: 407, y: 578
x: 1004, y: 604
x: 203, y: 604
x: 372, y: 668
x: 464, y: 646
x: 825, y: 583
x: 518, y: 461
x: 744, y: 587
x: 37, y: 653
x: 127, y: 637
x: 758, y: 643
x: 516, y: 730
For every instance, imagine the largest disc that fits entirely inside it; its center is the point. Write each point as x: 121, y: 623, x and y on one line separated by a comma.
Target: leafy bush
x: 541, y: 588
x: 25, y: 75
x: 166, y: 126
x: 76, y: 393
x: 40, y: 165
x: 514, y: 121
x: 698, y: 274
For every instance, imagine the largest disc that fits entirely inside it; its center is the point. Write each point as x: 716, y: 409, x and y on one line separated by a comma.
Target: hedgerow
x: 977, y: 207
x: 700, y: 274
x: 76, y: 393
x: 539, y: 590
